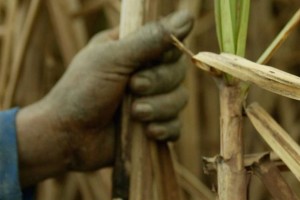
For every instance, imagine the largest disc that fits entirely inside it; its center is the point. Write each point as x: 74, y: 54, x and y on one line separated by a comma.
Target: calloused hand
x: 73, y: 127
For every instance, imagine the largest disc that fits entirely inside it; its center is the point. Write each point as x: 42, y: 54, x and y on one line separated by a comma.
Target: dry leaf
x: 271, y: 177
x: 276, y: 137
x: 266, y: 77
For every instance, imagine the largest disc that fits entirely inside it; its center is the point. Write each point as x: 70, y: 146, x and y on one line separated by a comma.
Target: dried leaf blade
x: 266, y: 77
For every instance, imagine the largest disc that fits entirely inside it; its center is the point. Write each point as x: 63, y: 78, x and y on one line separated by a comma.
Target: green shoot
x: 228, y: 39
x: 218, y: 23
x: 232, y: 25
x: 243, y: 28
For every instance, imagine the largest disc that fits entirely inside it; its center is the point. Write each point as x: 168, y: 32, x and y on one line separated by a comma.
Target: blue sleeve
x: 9, y: 175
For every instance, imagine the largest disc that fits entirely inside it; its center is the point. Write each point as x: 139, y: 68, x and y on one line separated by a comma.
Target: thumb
x: 152, y: 40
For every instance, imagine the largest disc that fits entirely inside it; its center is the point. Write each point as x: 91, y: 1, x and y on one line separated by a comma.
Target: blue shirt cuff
x: 10, y: 188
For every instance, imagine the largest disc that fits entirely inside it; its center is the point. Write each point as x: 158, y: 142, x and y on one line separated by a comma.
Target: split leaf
x: 271, y: 177
x: 276, y: 137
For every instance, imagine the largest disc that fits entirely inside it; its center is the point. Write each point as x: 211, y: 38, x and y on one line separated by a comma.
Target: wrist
x: 42, y: 148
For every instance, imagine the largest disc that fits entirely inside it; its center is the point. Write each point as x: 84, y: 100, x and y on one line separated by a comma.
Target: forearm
x: 43, y: 151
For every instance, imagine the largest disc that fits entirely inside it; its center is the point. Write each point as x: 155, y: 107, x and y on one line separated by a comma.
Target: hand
x: 72, y: 128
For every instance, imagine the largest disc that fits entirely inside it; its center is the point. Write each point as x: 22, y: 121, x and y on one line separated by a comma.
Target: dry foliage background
x: 36, y: 48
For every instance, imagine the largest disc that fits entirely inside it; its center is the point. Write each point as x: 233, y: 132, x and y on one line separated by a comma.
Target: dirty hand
x: 73, y: 127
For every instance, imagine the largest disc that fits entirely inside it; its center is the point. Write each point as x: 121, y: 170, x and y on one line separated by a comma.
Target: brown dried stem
x: 133, y: 157
x: 63, y: 29
x: 89, y: 7
x: 270, y: 175
x: 129, y: 155
x: 277, y: 138
x: 192, y: 183
x: 231, y: 173
x: 167, y: 183
x: 20, y: 52
x: 6, y: 54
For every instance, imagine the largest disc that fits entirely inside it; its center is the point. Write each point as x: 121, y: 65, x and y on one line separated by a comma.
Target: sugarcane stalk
x: 132, y: 17
x: 134, y: 168
x: 231, y: 173
x: 231, y: 20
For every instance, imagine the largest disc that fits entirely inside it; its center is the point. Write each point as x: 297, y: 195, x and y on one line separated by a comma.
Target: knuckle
x: 164, y: 78
x: 176, y: 130
x: 172, y: 56
x: 185, y: 95
x: 158, y: 33
x: 140, y: 84
x: 161, y: 30
x: 165, y: 131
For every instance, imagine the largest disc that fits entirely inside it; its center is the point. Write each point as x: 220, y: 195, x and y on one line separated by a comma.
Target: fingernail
x: 143, y: 111
x: 180, y: 18
x: 158, y: 132
x: 141, y: 84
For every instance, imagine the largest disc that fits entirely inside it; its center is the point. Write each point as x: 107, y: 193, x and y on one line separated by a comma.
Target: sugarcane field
x: 149, y: 100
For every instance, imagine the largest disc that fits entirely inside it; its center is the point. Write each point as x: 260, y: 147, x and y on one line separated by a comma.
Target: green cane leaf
x: 218, y: 23
x: 243, y: 28
x: 228, y: 39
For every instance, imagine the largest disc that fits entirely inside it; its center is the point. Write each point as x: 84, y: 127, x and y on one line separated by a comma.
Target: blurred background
x: 38, y: 39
